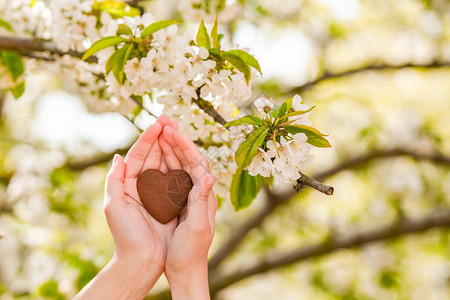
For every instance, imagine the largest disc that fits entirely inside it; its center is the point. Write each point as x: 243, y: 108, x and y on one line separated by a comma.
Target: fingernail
x: 116, y: 158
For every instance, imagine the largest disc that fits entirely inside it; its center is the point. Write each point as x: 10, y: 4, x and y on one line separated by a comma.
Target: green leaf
x: 154, y: 27
x: 282, y: 110
x: 50, y: 290
x: 298, y: 112
x: 239, y: 64
x: 116, y: 8
x: 110, y: 4
x: 124, y: 29
x: 247, y: 58
x: 18, y: 90
x: 203, y: 37
x: 288, y: 103
x: 119, y: 12
x: 102, y: 44
x: 314, y: 136
x: 220, y: 37
x: 214, y: 36
x: 248, y: 148
x: 117, y: 61
x: 13, y: 62
x: 250, y: 119
x: 274, y: 112
x: 244, y: 189
x: 5, y: 25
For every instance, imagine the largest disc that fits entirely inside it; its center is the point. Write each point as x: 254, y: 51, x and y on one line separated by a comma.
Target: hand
x: 140, y: 241
x: 138, y: 237
x: 186, y: 264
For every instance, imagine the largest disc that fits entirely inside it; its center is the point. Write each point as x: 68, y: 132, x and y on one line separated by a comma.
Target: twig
x: 208, y: 108
x: 306, y: 180
x: 134, y: 98
x: 407, y: 226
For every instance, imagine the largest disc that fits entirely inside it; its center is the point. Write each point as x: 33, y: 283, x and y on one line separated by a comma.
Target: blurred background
x: 379, y: 74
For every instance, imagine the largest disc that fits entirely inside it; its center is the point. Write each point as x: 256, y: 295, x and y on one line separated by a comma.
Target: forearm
x: 120, y: 280
x: 192, y: 284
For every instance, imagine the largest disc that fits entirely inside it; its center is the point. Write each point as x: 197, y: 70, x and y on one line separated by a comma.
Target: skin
x: 145, y: 248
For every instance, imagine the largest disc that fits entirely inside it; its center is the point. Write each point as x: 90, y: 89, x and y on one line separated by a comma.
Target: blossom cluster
x: 286, y: 157
x: 173, y: 68
x: 177, y: 72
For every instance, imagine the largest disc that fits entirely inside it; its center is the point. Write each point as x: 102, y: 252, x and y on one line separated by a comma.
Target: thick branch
x: 238, y: 234
x: 376, y: 67
x: 78, y: 166
x: 408, y: 226
x: 27, y: 46
x: 277, y: 199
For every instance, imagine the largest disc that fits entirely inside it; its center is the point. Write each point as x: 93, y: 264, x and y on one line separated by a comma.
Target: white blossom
x: 263, y: 104
x: 261, y: 164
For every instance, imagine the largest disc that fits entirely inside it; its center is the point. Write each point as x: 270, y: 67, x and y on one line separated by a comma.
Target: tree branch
x: 306, y: 180
x: 407, y: 226
x: 234, y: 240
x: 27, y: 46
x: 276, y: 200
x: 208, y: 108
x: 376, y: 67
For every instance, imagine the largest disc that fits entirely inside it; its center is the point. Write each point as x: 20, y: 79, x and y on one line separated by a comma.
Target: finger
x: 153, y: 158
x: 173, y: 124
x: 163, y: 120
x: 163, y: 168
x: 114, y: 183
x: 137, y: 154
x: 172, y: 161
x: 168, y: 135
x: 197, y: 162
x: 198, y: 201
x: 212, y: 208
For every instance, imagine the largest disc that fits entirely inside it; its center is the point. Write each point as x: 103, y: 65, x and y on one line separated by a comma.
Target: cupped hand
x: 192, y: 238
x: 139, y: 239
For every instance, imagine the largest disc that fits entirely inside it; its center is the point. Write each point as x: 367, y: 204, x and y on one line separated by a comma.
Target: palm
x: 131, y: 225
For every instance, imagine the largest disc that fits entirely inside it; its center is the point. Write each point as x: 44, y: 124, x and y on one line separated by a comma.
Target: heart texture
x: 164, y: 195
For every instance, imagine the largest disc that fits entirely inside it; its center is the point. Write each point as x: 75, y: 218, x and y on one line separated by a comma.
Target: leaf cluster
x: 236, y: 58
x: 273, y: 126
x: 127, y: 46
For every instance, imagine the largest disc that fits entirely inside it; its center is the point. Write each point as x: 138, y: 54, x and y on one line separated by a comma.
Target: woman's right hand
x: 187, y: 258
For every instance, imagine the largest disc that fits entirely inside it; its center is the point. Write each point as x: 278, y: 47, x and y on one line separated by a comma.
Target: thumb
x: 198, y: 200
x: 114, y: 183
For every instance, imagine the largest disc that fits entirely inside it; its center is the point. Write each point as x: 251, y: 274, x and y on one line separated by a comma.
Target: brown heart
x: 164, y: 195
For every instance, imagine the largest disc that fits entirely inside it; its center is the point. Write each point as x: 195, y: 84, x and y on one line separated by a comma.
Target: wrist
x: 189, y: 283
x: 120, y: 279
x: 139, y: 278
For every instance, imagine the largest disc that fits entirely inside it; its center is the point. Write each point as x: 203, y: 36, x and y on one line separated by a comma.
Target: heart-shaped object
x: 164, y: 195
